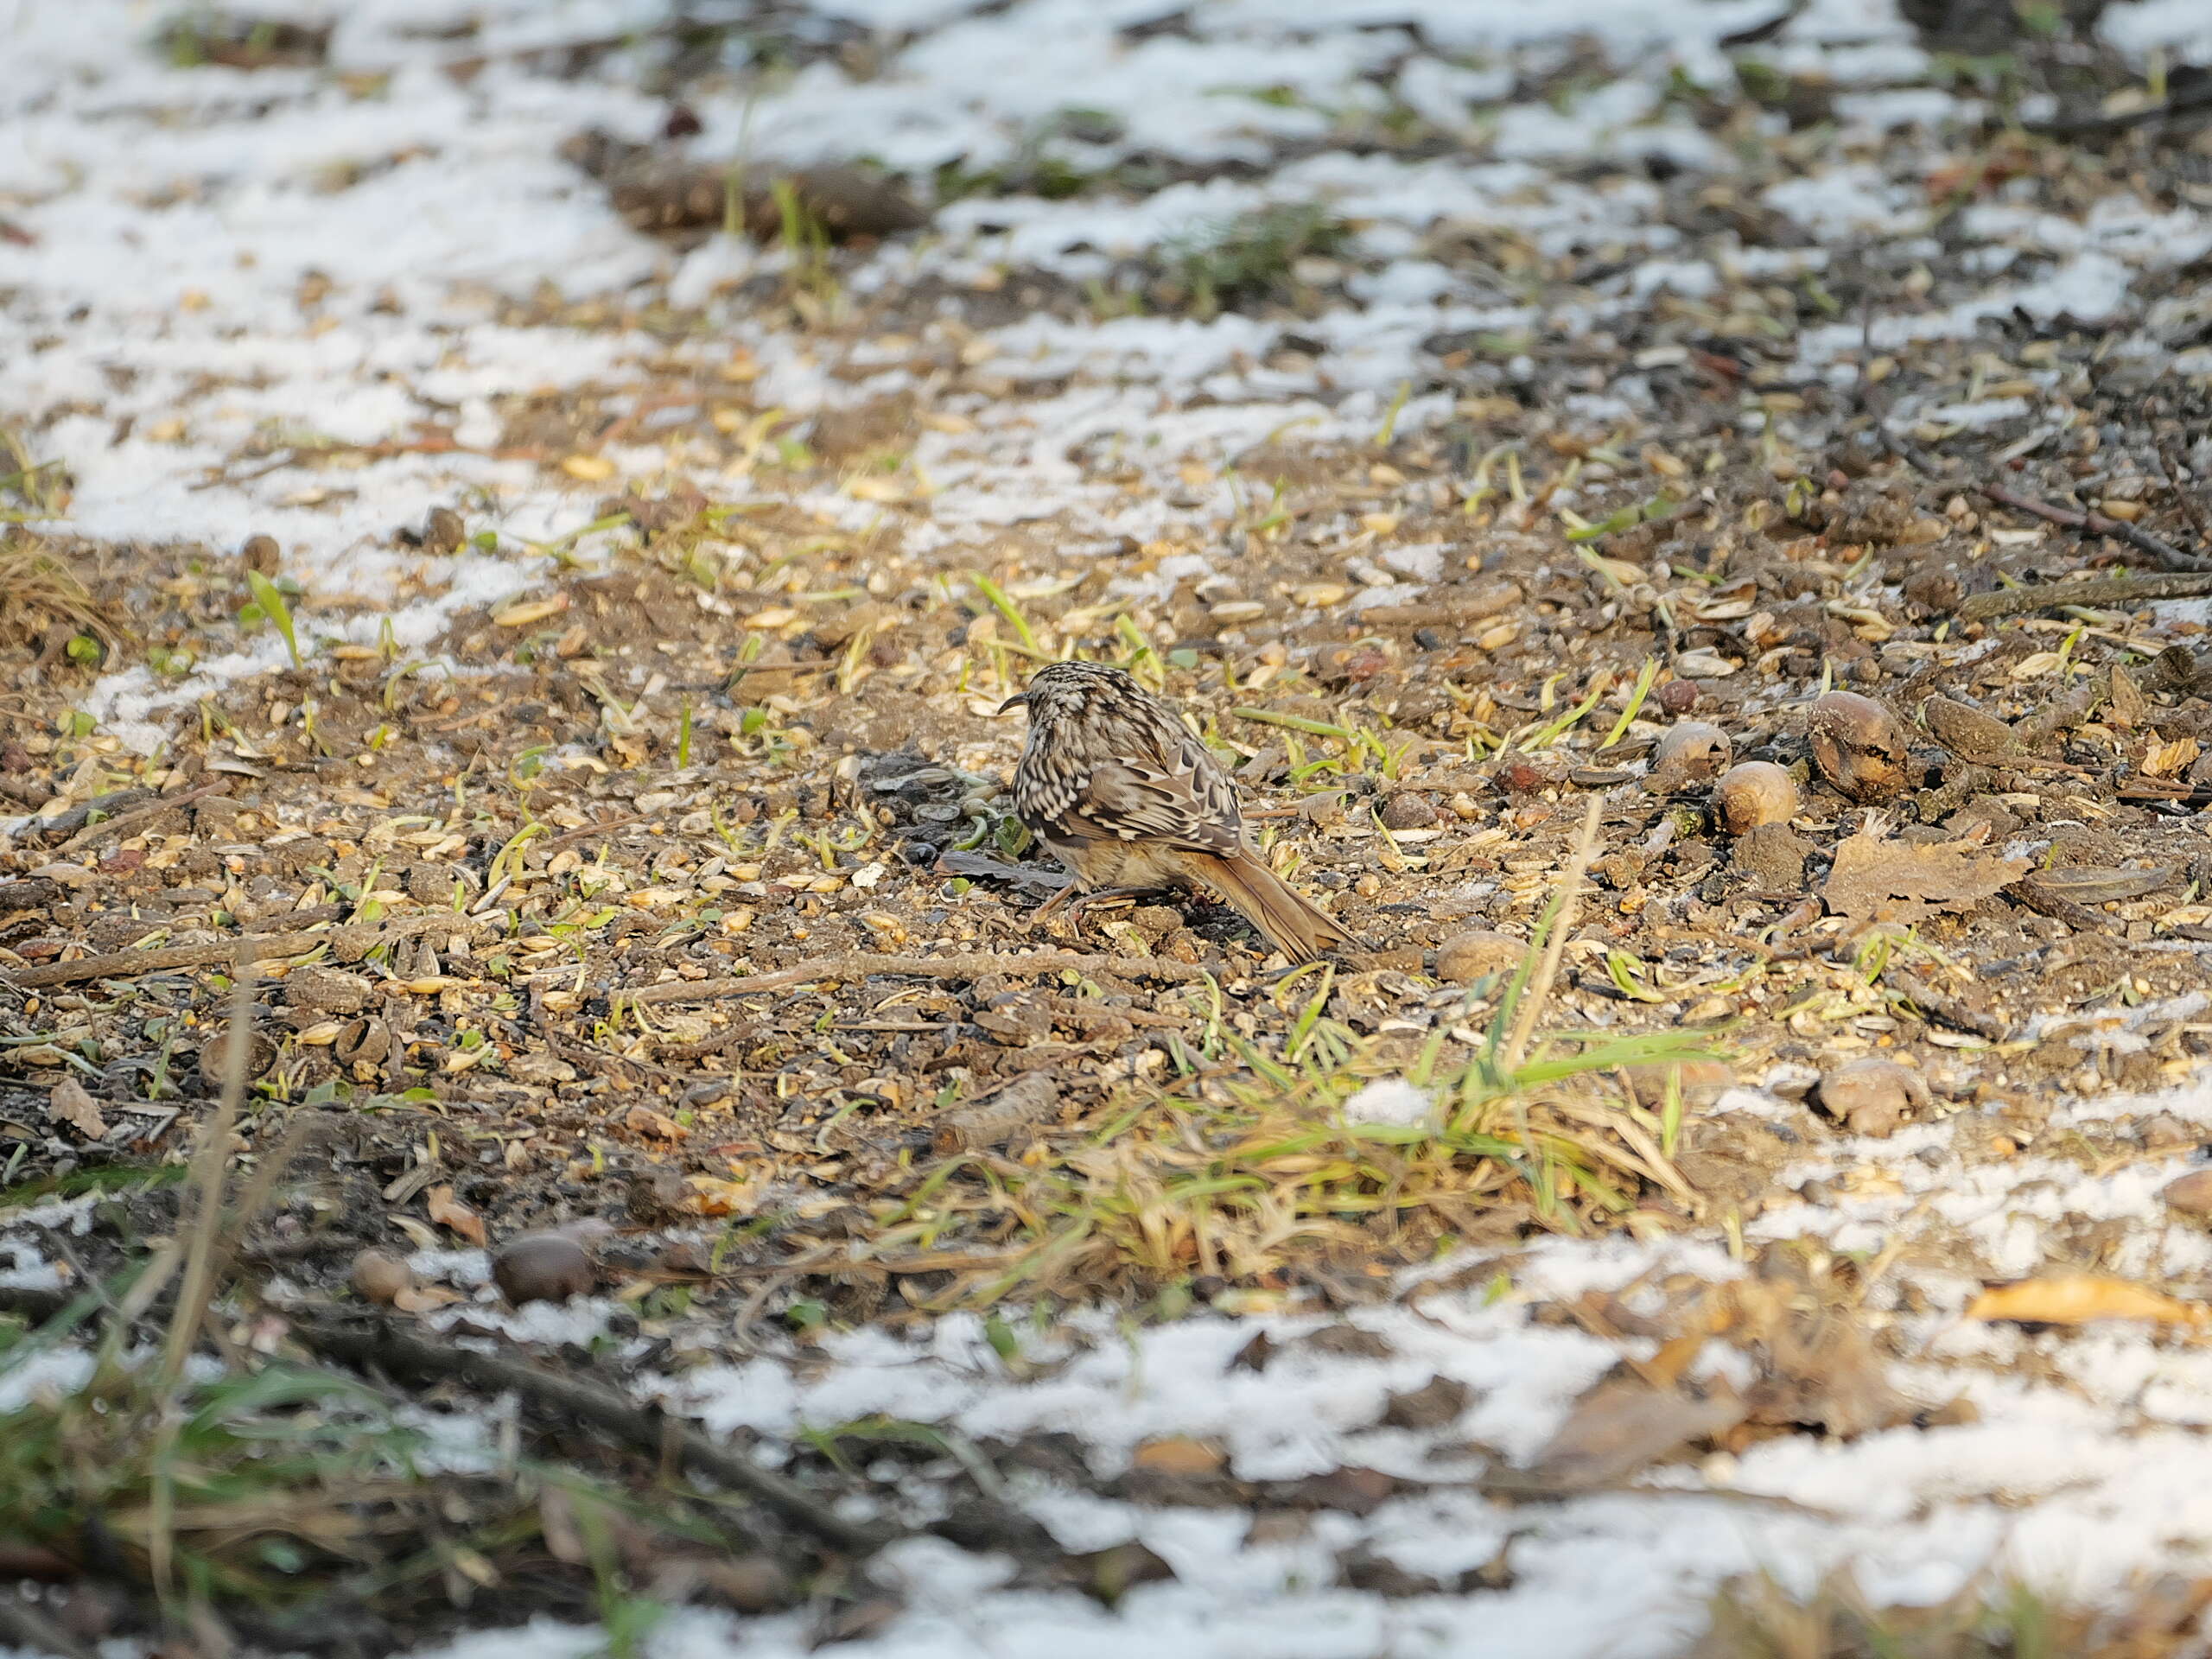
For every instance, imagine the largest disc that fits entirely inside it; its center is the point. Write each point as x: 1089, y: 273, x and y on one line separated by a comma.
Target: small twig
x: 863, y: 965
x: 2095, y: 524
x: 2108, y: 590
x: 114, y: 801
x: 381, y: 1347
x: 1531, y: 1004
x: 1949, y: 1011
x: 606, y: 827
x: 129, y: 964
x: 123, y: 823
x: 2189, y: 109
x: 2043, y: 900
x: 26, y: 1627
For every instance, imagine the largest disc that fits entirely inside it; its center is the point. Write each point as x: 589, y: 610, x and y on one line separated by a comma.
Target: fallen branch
x: 863, y: 965
x: 380, y: 1347
x: 2095, y: 524
x: 2110, y: 590
x: 350, y: 943
x: 125, y: 822
x: 78, y: 816
x: 1446, y: 605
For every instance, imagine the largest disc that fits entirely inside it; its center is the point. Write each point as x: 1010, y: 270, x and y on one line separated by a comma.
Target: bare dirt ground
x: 1696, y: 561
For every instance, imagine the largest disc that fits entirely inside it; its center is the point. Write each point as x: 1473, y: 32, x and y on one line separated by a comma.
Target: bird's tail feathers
x: 1294, y: 925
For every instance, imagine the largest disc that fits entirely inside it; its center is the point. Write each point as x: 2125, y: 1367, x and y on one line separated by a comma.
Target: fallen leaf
x: 715, y: 1197
x: 1617, y: 1428
x: 529, y: 610
x: 72, y: 1103
x: 646, y: 1121
x: 417, y: 1235
x: 421, y: 1298
x: 1876, y: 879
x: 1179, y: 1456
x: 2078, y: 1298
x: 449, y: 1212
x: 2162, y: 758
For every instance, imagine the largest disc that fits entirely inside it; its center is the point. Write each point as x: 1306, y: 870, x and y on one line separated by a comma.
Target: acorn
x: 1753, y: 792
x: 1465, y: 957
x: 1858, y: 745
x: 543, y: 1267
x: 378, y: 1276
x: 1692, y: 752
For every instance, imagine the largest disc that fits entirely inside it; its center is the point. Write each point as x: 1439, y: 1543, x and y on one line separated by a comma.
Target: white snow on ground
x: 154, y: 328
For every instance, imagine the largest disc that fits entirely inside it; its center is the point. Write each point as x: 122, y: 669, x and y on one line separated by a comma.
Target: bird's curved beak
x: 1019, y: 699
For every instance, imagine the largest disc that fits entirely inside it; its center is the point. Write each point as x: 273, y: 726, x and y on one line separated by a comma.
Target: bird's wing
x: 1180, y: 798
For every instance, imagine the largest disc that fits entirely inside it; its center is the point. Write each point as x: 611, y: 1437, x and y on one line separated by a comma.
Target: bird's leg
x: 1077, y: 902
x: 1055, y: 901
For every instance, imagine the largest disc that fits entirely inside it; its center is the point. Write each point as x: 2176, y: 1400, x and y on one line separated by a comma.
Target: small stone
x: 1465, y: 957
x: 749, y: 1584
x: 1531, y: 774
x: 1702, y: 1083
x: 1692, y: 752
x: 378, y: 1276
x: 325, y: 990
x: 1773, y: 855
x: 1436, y: 1402
x: 2190, y: 1194
x: 1678, y: 696
x: 1871, y: 1097
x: 2164, y: 1132
x: 214, y: 1056
x: 543, y: 1267
x: 1408, y: 810
x: 444, y: 531
x: 656, y: 1197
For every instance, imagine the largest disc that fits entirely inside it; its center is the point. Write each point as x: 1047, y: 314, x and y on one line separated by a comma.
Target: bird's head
x: 1059, y: 691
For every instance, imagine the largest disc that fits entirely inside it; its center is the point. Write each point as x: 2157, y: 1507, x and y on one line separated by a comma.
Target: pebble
x: 1871, y: 1097
x: 2190, y: 1194
x: 378, y: 1276
x: 1465, y: 957
x: 543, y: 1267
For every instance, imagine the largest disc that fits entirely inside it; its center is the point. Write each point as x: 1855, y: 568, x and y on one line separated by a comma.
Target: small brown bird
x: 1113, y: 784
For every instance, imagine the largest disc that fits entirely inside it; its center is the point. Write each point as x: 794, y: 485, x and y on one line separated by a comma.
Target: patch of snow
x: 1389, y: 1100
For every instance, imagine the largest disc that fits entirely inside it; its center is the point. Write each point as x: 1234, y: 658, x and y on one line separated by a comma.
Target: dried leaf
x: 714, y: 1197
x: 421, y: 1298
x: 417, y: 1235
x: 1617, y: 1428
x: 2078, y: 1298
x: 72, y: 1105
x: 449, y: 1212
x: 1179, y: 1456
x: 646, y: 1121
x: 2161, y: 760
x: 1876, y: 880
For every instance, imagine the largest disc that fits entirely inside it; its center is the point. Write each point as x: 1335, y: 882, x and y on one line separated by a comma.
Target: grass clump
x: 40, y: 586
x: 1249, y: 1160
x: 1248, y: 259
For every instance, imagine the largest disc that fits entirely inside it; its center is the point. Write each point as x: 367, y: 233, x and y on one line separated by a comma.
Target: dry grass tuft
x: 41, y: 587
x: 1760, y: 1619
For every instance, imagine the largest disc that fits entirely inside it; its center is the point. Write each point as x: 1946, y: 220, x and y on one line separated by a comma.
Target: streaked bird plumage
x: 1116, y: 787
